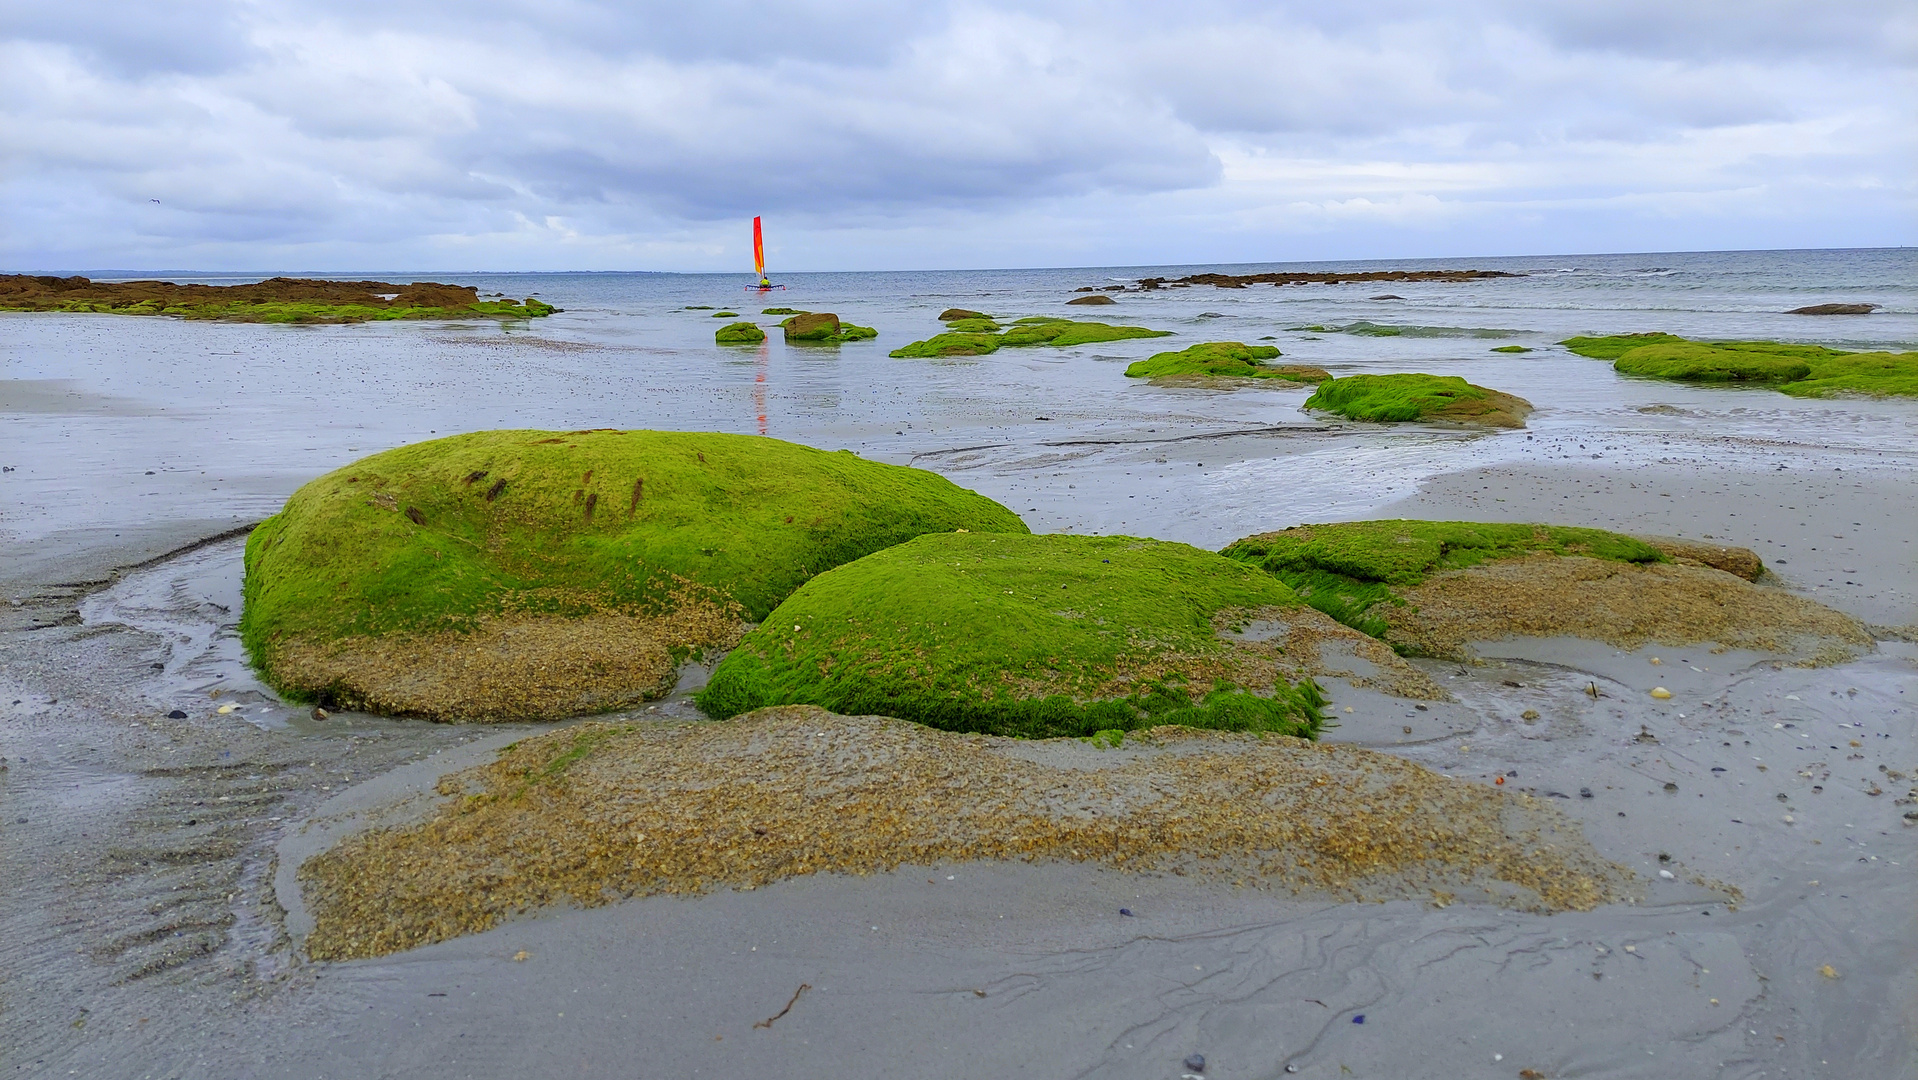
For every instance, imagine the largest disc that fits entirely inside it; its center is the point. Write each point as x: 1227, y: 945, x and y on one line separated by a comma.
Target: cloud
x: 279, y: 132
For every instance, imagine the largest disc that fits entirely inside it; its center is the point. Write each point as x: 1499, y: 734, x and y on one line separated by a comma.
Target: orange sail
x: 759, y: 250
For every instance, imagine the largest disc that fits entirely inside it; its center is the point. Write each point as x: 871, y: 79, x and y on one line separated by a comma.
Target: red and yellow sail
x: 759, y: 250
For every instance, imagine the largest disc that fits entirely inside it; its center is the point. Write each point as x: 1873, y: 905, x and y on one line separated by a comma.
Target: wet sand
x: 147, y: 936
x: 149, y: 939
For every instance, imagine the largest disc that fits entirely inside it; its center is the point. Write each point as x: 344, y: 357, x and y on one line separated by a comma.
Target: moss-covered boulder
x: 956, y: 313
x: 823, y: 328
x: 739, y: 333
x: 1798, y: 370
x: 1032, y: 330
x: 532, y: 575
x: 1432, y: 587
x: 782, y: 311
x: 1222, y: 360
x: 1417, y: 397
x: 1514, y: 349
x: 1030, y: 636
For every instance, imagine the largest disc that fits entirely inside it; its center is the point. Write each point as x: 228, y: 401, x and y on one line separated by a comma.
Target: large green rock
x: 1026, y: 635
x: 526, y: 574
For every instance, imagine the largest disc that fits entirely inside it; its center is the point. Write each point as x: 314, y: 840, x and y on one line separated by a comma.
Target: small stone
x: 320, y: 714
x: 1195, y: 1062
x: 1584, y: 793
x: 1667, y: 875
x: 1408, y: 729
x: 1529, y: 715
x: 1828, y: 971
x: 176, y: 715
x: 521, y: 956
x: 1669, y: 786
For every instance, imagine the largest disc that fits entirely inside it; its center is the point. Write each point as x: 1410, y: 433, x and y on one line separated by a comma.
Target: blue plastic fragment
x: 1359, y: 1019
x: 1125, y: 911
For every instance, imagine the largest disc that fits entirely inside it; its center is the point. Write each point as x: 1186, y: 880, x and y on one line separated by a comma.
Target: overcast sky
x: 564, y: 134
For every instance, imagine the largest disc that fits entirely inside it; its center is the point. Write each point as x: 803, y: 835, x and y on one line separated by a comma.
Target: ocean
x: 132, y: 435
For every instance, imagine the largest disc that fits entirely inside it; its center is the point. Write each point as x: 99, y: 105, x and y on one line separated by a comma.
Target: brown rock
x: 1095, y: 298
x: 1741, y: 562
x: 953, y: 313
x: 1834, y: 309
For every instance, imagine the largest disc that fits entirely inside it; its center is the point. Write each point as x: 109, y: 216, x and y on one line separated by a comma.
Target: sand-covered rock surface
x: 605, y: 811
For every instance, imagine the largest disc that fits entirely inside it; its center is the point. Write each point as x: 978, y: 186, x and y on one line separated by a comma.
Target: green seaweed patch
x: 725, y: 314
x: 1030, y: 636
x: 782, y: 311
x: 1032, y: 330
x: 949, y: 345
x: 973, y: 326
x: 739, y: 333
x: 697, y: 307
x: 1363, y: 328
x: 1511, y: 348
x: 1799, y: 370
x: 293, y: 311
x: 438, y: 535
x: 1347, y: 569
x: 823, y: 328
x: 1224, y: 359
x: 1415, y: 397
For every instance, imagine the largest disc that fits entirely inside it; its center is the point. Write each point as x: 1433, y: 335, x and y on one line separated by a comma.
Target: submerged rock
x: 523, y: 575
x: 1094, y: 299
x: 1834, y: 309
x: 1431, y: 587
x: 1032, y: 330
x: 1418, y: 397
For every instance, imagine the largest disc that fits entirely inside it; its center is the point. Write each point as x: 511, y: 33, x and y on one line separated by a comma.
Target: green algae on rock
x: 1034, y: 636
x: 954, y: 314
x: 1226, y: 360
x: 275, y: 300
x: 1511, y: 348
x: 781, y: 311
x: 725, y: 314
x: 823, y: 328
x: 1346, y: 569
x: 739, y: 333
x: 520, y: 575
x: 1430, y: 588
x: 1418, y: 397
x: 1799, y: 370
x: 1031, y: 330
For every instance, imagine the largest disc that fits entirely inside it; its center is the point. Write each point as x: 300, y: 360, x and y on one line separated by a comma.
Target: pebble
x: 176, y: 715
x: 1195, y: 1062
x: 1668, y: 875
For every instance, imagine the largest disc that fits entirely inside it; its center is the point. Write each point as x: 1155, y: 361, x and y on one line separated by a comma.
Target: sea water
x: 129, y: 434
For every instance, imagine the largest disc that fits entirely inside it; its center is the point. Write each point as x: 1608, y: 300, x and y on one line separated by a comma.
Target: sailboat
x: 759, y: 261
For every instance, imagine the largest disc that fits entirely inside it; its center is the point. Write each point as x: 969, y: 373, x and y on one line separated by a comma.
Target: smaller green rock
x: 725, y: 314
x: 739, y: 333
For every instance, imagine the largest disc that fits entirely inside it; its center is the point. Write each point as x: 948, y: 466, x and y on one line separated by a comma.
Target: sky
x: 569, y: 135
